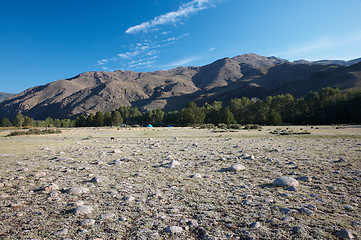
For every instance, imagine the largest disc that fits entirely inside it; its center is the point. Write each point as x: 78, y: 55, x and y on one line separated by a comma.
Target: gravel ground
x: 181, y: 183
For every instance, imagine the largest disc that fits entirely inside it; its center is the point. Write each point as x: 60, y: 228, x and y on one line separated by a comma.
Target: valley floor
x: 176, y: 183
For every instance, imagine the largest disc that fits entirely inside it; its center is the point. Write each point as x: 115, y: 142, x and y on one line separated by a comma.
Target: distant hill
x: 247, y: 75
x: 330, y: 62
x: 4, y: 96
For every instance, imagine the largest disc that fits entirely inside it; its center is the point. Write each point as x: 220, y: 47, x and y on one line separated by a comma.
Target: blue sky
x: 46, y: 40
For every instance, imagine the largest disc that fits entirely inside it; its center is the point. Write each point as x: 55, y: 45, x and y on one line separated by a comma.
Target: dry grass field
x: 179, y: 183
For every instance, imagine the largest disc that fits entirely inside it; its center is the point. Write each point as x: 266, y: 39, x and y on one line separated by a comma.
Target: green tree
x: 66, y: 123
x: 172, y: 118
x: 49, y: 122
x: 80, y: 121
x: 117, y: 119
x: 89, y: 121
x: 57, y: 123
x: 28, y: 122
x: 99, y: 119
x: 5, y: 122
x: 192, y: 115
x: 154, y: 117
x: 274, y: 118
x: 227, y: 116
x: 108, y: 119
x: 19, y: 120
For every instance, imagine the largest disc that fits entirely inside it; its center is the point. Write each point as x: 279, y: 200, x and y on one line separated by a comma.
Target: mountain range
x: 248, y: 75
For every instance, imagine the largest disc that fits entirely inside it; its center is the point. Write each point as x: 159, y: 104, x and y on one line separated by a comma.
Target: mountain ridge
x: 249, y: 75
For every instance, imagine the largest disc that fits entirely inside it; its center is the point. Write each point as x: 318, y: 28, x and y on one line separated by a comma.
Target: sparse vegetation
x: 34, y: 131
x: 180, y: 183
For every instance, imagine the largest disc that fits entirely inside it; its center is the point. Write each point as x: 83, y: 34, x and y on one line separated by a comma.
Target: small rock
x: 96, y: 180
x: 40, y: 174
x: 285, y: 182
x: 345, y: 233
x: 78, y: 203
x: 236, y: 168
x: 298, y: 230
x: 83, y: 210
x: 192, y: 223
x: 197, y: 175
x: 87, y: 222
x: 77, y: 190
x: 116, y: 151
x: 341, y: 160
x: 173, y: 164
x: 128, y: 198
x: 256, y: 225
x: 288, y: 219
x: 61, y: 232
x: 292, y: 188
x: 51, y: 187
x: 306, y: 211
x: 173, y: 229
x: 304, y: 178
x: 349, y: 208
x: 107, y: 216
x: 53, y: 194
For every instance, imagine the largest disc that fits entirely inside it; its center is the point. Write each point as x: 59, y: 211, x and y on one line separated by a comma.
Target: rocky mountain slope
x: 4, y: 96
x: 247, y: 75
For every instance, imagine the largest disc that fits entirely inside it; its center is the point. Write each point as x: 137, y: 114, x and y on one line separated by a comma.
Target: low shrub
x: 34, y: 131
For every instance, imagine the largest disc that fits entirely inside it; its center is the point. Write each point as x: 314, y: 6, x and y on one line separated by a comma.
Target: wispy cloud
x: 182, y: 62
x: 183, y: 11
x: 212, y: 49
x: 326, y: 43
x: 140, y: 54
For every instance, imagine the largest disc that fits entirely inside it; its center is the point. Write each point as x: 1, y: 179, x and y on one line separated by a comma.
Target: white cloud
x: 182, y: 62
x: 103, y: 61
x: 212, y: 49
x: 171, y: 17
x: 140, y: 53
x: 314, y: 49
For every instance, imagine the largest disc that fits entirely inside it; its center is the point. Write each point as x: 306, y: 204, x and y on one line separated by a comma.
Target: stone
x: 197, y: 175
x: 192, y: 223
x: 345, y: 234
x: 78, y: 203
x: 53, y: 194
x: 287, y: 219
x: 96, y: 180
x: 77, y: 190
x: 51, y: 187
x: 174, y: 229
x: 107, y: 216
x: 116, y: 151
x: 236, y: 168
x: 87, y: 222
x: 304, y: 178
x: 128, y: 198
x: 292, y: 189
x: 285, y: 182
x: 173, y: 164
x: 306, y: 211
x: 83, y: 210
x: 61, y: 232
x: 256, y: 225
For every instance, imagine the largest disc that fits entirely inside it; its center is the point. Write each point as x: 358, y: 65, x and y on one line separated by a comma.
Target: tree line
x: 328, y: 106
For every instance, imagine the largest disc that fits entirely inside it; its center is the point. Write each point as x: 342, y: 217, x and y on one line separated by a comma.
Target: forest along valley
x: 182, y: 183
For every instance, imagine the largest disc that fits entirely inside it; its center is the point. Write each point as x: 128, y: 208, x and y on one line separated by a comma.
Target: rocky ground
x: 181, y: 183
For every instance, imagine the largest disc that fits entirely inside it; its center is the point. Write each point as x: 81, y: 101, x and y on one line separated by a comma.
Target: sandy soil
x: 177, y: 183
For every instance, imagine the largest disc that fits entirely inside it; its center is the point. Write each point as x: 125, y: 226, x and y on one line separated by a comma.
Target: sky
x: 46, y: 40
